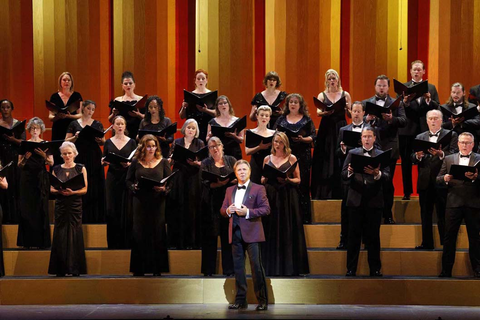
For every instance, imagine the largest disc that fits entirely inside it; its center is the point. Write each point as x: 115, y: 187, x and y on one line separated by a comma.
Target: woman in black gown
x: 326, y: 165
x: 301, y: 133
x: 183, y: 200
x: 285, y: 251
x: 3, y: 186
x: 9, y: 147
x: 202, y: 114
x: 129, y: 97
x: 34, y: 224
x: 260, y: 151
x: 155, y: 120
x: 118, y: 198
x: 225, y: 117
x: 61, y: 120
x: 90, y: 155
x: 68, y: 250
x: 271, y: 97
x: 149, y: 247
x: 213, y: 224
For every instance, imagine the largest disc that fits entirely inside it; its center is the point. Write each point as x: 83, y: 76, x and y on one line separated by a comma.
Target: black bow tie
x: 367, y: 151
x: 462, y: 156
x: 241, y: 187
x: 357, y: 126
x: 378, y: 98
x: 434, y: 134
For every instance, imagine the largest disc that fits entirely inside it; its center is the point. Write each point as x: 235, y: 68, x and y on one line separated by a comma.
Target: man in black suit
x: 245, y: 204
x: 429, y: 164
x: 387, y: 130
x: 463, y: 202
x: 415, y: 110
x: 474, y: 95
x: 365, y: 205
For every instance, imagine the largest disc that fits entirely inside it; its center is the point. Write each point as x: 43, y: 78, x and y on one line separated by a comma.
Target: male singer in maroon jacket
x: 245, y: 204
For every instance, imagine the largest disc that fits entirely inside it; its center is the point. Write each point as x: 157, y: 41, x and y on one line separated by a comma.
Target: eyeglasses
x: 213, y: 147
x: 465, y: 142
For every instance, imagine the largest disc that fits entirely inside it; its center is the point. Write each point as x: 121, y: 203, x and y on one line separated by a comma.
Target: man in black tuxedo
x: 365, y: 205
x: 387, y: 130
x: 474, y: 95
x: 245, y: 204
x: 415, y: 110
x: 457, y: 103
x: 463, y: 202
x: 429, y: 164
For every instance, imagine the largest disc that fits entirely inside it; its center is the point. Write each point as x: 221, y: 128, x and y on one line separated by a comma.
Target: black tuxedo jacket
x: 387, y: 133
x: 460, y: 193
x: 471, y: 125
x: 363, y: 188
x: 475, y: 92
x: 429, y: 166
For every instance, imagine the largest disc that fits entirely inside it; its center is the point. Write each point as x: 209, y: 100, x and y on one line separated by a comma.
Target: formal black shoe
x: 445, y: 274
x: 350, y: 273
x: 75, y: 275
x: 388, y: 221
x: 138, y: 274
x: 60, y: 274
x: 376, y: 274
x: 341, y: 246
x: 237, y: 306
x: 406, y: 197
x: 157, y: 274
x: 208, y: 275
x: 422, y: 247
x: 262, y: 307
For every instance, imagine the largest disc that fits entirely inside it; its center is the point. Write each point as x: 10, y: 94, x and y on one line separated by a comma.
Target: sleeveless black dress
x: 259, y: 100
x: 202, y: 118
x: 132, y: 122
x: 256, y: 165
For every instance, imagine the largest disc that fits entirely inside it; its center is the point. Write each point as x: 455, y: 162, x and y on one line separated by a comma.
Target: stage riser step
x: 199, y: 290
x: 321, y: 262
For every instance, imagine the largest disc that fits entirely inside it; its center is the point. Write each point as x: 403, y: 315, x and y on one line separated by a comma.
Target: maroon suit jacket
x: 256, y: 200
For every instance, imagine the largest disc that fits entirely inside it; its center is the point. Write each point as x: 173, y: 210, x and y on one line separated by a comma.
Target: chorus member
x: 457, y: 103
x: 68, y: 252
x: 3, y: 186
x: 118, y: 197
x: 365, y: 205
x: 225, y: 117
x: 62, y: 119
x: 463, y: 203
x: 155, y: 120
x: 90, y: 155
x: 245, y: 204
x: 259, y: 152
x: 415, y: 112
x: 202, y: 114
x: 387, y: 129
x: 326, y: 166
x: 213, y: 225
x: 285, y: 251
x: 271, y: 97
x: 129, y: 97
x: 429, y: 164
x: 296, y: 118
x: 184, y: 218
x: 9, y: 147
x: 34, y: 223
x: 149, y: 248
x: 474, y: 95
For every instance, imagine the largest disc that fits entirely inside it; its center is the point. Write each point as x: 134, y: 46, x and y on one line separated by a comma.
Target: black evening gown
x: 34, y: 224
x: 119, y: 211
x: 132, y: 122
x: 183, y: 202
x: 202, y: 118
x: 303, y: 152
x: 9, y: 197
x: 2, y: 268
x: 285, y: 251
x: 149, y: 246
x: 256, y: 165
x: 68, y: 250
x: 164, y: 146
x: 326, y: 180
x: 90, y: 155
x: 59, y: 127
x: 213, y: 223
x: 230, y: 146
x: 259, y: 100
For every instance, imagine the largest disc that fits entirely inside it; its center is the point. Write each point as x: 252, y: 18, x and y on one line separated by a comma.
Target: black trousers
x: 209, y: 250
x: 428, y: 199
x: 258, y: 273
x: 406, y: 148
x: 453, y: 219
x: 344, y: 216
x: 364, y: 222
x: 389, y: 191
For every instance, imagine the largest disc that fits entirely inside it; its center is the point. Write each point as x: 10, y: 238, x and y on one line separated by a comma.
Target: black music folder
x: 3, y: 170
x: 239, y: 125
x: 145, y: 183
x: 114, y: 158
x: 352, y: 138
x: 15, y: 131
x: 71, y: 108
x: 377, y: 110
x: 167, y: 131
x: 458, y: 171
x: 419, y: 89
x: 252, y: 139
x: 30, y: 146
x: 90, y: 133
x: 359, y: 162
x: 213, y: 177
x: 75, y: 183
x: 194, y: 99
x: 466, y: 114
x: 271, y: 172
x: 291, y: 133
x: 182, y: 154
x: 337, y: 108
x: 123, y: 108
x: 424, y: 145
